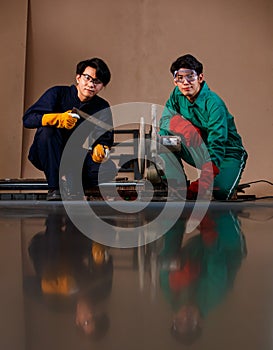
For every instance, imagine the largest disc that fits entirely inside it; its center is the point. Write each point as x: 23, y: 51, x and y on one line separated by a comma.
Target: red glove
x: 191, y: 134
x: 184, y: 277
x: 208, y: 230
x: 208, y: 172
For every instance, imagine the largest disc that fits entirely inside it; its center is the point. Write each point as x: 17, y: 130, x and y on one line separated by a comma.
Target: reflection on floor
x: 161, y: 276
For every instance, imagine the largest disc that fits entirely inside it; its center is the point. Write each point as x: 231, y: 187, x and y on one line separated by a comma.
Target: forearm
x: 217, y: 134
x: 32, y: 120
x: 217, y: 154
x: 45, y: 104
x: 167, y: 114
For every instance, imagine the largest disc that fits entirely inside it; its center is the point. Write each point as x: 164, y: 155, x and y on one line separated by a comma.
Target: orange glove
x: 60, y: 120
x: 100, y: 153
x: 64, y: 285
x: 99, y: 253
x: 208, y: 172
x: 191, y: 134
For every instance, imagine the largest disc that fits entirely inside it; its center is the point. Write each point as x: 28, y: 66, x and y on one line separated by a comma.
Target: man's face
x: 87, y: 84
x: 85, y: 317
x: 188, y: 319
x: 188, y: 82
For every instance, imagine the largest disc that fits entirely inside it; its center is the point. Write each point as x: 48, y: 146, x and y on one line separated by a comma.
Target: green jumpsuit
x: 219, y: 250
x: 221, y: 142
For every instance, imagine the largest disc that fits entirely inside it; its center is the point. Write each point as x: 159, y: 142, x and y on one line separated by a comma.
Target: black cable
x: 256, y: 198
x: 257, y: 181
x: 247, y: 184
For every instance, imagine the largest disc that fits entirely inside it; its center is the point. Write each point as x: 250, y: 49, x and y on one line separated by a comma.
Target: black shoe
x: 53, y: 195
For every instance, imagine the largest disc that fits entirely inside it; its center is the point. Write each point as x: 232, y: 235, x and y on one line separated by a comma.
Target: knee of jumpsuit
x: 222, y: 193
x: 48, y: 140
x: 95, y: 173
x: 227, y: 181
x: 223, y: 190
x: 46, y: 151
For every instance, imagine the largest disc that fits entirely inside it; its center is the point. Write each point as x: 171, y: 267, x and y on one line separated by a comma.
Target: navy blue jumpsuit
x: 49, y: 141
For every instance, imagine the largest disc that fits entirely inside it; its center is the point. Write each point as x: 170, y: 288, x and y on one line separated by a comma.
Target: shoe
x: 53, y: 195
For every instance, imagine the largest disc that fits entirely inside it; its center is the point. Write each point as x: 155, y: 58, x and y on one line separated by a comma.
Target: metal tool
x: 150, y: 146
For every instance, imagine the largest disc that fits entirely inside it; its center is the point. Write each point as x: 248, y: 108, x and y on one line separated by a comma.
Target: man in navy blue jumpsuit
x: 51, y: 116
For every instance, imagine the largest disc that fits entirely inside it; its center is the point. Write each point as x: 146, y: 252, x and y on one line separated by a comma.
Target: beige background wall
x: 13, y: 24
x: 139, y: 39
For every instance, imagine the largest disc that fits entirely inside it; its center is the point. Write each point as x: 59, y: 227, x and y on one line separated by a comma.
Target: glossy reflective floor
x: 208, y: 287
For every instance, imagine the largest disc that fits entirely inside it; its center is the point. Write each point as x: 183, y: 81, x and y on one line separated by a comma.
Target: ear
x: 201, y: 78
x: 175, y: 83
x: 77, y: 78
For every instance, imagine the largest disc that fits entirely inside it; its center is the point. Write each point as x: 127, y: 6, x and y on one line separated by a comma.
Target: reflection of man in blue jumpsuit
x: 72, y: 273
x: 206, y: 270
x: 55, y: 123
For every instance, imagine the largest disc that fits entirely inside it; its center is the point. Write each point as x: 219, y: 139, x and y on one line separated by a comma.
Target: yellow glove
x: 64, y: 285
x: 60, y: 120
x: 100, y: 153
x: 98, y: 253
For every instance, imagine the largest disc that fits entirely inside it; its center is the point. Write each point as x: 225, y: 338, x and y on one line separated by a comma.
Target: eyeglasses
x: 87, y: 78
x: 188, y: 74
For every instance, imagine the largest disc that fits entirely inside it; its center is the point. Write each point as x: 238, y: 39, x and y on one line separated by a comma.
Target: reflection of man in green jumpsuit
x: 203, y: 273
x: 210, y: 140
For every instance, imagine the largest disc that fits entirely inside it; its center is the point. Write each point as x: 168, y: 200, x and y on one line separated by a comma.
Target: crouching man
x: 210, y: 141
x: 52, y: 116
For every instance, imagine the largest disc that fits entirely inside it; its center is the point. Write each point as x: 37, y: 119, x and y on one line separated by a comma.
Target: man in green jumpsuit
x: 210, y: 141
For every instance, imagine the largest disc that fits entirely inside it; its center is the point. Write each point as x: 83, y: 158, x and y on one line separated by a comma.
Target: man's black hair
x: 102, y: 70
x: 187, y: 338
x: 187, y: 61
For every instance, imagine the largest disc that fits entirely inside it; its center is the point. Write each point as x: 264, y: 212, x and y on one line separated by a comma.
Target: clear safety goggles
x: 189, y: 74
x: 87, y: 78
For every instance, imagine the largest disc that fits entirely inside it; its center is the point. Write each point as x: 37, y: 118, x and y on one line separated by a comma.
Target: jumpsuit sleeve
x: 169, y: 111
x: 217, y: 133
x: 47, y: 103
